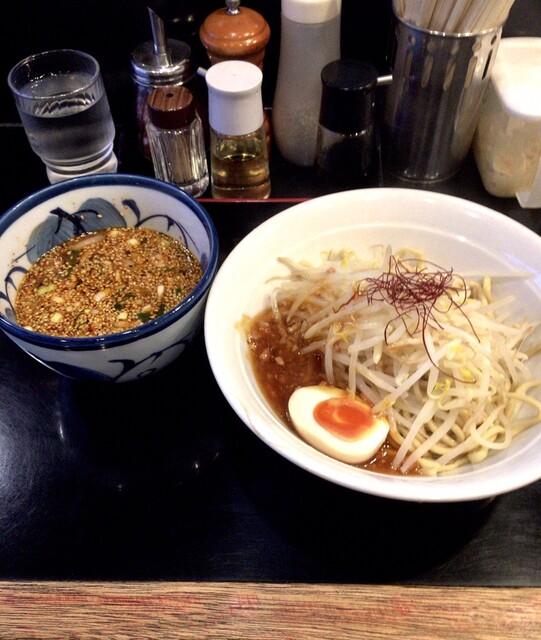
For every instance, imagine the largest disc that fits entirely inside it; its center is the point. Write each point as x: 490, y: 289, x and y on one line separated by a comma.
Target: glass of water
x: 61, y: 100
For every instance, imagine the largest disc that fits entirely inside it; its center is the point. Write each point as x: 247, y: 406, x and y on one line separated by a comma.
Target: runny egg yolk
x: 336, y: 424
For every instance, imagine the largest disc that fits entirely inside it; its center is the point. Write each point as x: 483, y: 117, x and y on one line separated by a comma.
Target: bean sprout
x: 433, y: 352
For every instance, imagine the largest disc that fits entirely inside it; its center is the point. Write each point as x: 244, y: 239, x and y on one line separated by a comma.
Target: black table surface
x: 160, y: 480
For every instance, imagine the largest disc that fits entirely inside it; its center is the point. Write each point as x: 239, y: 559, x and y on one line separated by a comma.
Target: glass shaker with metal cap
x: 159, y: 62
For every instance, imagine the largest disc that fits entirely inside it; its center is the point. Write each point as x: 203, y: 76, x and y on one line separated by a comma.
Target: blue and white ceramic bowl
x: 58, y: 212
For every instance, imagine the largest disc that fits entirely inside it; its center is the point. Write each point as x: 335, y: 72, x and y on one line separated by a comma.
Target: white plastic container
x: 310, y: 38
x: 507, y: 142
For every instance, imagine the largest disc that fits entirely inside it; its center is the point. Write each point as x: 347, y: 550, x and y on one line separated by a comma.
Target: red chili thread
x: 415, y: 293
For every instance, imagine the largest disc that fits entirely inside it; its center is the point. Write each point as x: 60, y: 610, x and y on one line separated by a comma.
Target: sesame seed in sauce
x: 106, y: 282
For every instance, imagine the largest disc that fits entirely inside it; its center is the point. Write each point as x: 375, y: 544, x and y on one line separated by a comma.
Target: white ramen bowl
x: 59, y: 212
x: 451, y: 232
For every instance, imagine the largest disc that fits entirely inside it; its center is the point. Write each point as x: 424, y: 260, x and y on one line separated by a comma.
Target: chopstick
x: 410, y: 10
x: 440, y: 16
x: 400, y: 7
x: 459, y: 9
x: 426, y: 12
x: 505, y: 8
x: 454, y: 16
x: 474, y: 16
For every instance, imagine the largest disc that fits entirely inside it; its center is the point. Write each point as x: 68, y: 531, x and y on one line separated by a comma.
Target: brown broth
x: 280, y: 367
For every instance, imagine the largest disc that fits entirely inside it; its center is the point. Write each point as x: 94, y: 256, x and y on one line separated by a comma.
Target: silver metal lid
x: 147, y: 70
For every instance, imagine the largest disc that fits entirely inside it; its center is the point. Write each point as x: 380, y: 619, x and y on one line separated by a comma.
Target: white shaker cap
x: 235, y: 102
x: 311, y: 11
x: 516, y: 76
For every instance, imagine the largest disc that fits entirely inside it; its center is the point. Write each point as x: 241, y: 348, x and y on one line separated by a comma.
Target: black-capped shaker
x: 345, y: 135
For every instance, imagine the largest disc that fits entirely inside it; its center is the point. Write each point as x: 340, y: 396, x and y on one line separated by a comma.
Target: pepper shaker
x: 176, y: 140
x: 235, y: 33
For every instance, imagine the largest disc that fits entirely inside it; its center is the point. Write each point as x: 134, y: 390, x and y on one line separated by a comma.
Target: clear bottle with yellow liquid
x: 239, y: 161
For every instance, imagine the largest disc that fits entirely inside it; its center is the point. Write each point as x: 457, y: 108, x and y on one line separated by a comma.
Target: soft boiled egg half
x: 337, y: 424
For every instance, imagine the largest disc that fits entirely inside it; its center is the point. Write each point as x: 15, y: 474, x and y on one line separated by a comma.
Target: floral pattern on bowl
x: 78, y: 206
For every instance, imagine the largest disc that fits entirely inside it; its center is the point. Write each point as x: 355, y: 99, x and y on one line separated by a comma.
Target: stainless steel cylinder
x: 434, y: 100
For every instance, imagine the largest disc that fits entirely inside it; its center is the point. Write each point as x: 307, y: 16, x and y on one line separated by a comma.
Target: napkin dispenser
x: 507, y: 142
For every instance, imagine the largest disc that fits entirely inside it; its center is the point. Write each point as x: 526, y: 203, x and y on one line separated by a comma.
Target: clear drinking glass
x: 61, y: 100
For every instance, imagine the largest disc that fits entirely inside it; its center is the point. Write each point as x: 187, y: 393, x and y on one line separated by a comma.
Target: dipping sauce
x: 105, y: 282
